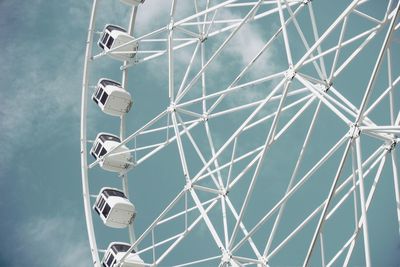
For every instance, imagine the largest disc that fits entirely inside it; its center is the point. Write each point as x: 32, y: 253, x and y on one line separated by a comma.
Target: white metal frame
x: 281, y: 106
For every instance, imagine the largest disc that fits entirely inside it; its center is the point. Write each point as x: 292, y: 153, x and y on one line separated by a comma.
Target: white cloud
x: 43, y: 86
x: 37, y: 102
x: 53, y: 242
x: 153, y: 13
x: 248, y: 42
x: 245, y: 46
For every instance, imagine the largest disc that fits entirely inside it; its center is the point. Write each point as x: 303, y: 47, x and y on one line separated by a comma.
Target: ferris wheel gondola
x: 114, y: 253
x: 116, y: 43
x: 117, y: 161
x: 114, y: 208
x: 111, y: 98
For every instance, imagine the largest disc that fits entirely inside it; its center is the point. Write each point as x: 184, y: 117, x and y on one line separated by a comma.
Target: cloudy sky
x: 43, y: 42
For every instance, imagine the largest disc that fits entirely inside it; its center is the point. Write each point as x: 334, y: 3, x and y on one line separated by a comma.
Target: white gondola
x: 114, y: 253
x: 114, y: 37
x: 133, y: 2
x: 112, y: 98
x: 114, y: 208
x: 119, y: 160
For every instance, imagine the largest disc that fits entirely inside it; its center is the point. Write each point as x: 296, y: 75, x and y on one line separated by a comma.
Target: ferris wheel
x: 240, y: 132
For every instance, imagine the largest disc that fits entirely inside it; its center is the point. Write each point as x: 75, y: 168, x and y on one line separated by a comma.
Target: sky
x: 43, y: 222
x: 40, y: 175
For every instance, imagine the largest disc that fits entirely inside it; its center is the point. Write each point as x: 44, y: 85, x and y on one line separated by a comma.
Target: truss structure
x: 284, y: 119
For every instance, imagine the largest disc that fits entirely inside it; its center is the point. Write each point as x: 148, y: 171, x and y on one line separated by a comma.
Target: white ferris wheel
x: 271, y: 125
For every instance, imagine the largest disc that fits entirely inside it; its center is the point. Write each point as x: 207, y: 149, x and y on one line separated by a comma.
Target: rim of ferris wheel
x: 119, y: 160
x: 115, y: 251
x: 133, y: 2
x: 117, y: 43
x: 114, y: 208
x: 112, y: 98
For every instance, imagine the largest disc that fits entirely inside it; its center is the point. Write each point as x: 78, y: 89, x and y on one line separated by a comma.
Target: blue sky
x: 43, y: 223
x: 42, y: 62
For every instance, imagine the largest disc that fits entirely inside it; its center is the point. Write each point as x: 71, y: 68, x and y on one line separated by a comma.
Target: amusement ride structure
x: 273, y: 126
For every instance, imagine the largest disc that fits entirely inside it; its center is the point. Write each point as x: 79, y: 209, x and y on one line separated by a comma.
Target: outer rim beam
x: 84, y: 168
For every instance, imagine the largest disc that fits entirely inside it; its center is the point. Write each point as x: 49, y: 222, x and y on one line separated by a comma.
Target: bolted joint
x: 320, y: 87
x: 172, y: 107
x: 354, y: 131
x: 226, y: 256
x: 305, y: 2
x: 328, y: 86
x: 263, y: 261
x: 171, y: 25
x: 289, y: 74
x: 188, y: 186
x: 205, y: 117
x: 203, y: 38
x: 223, y: 192
x: 391, y: 145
